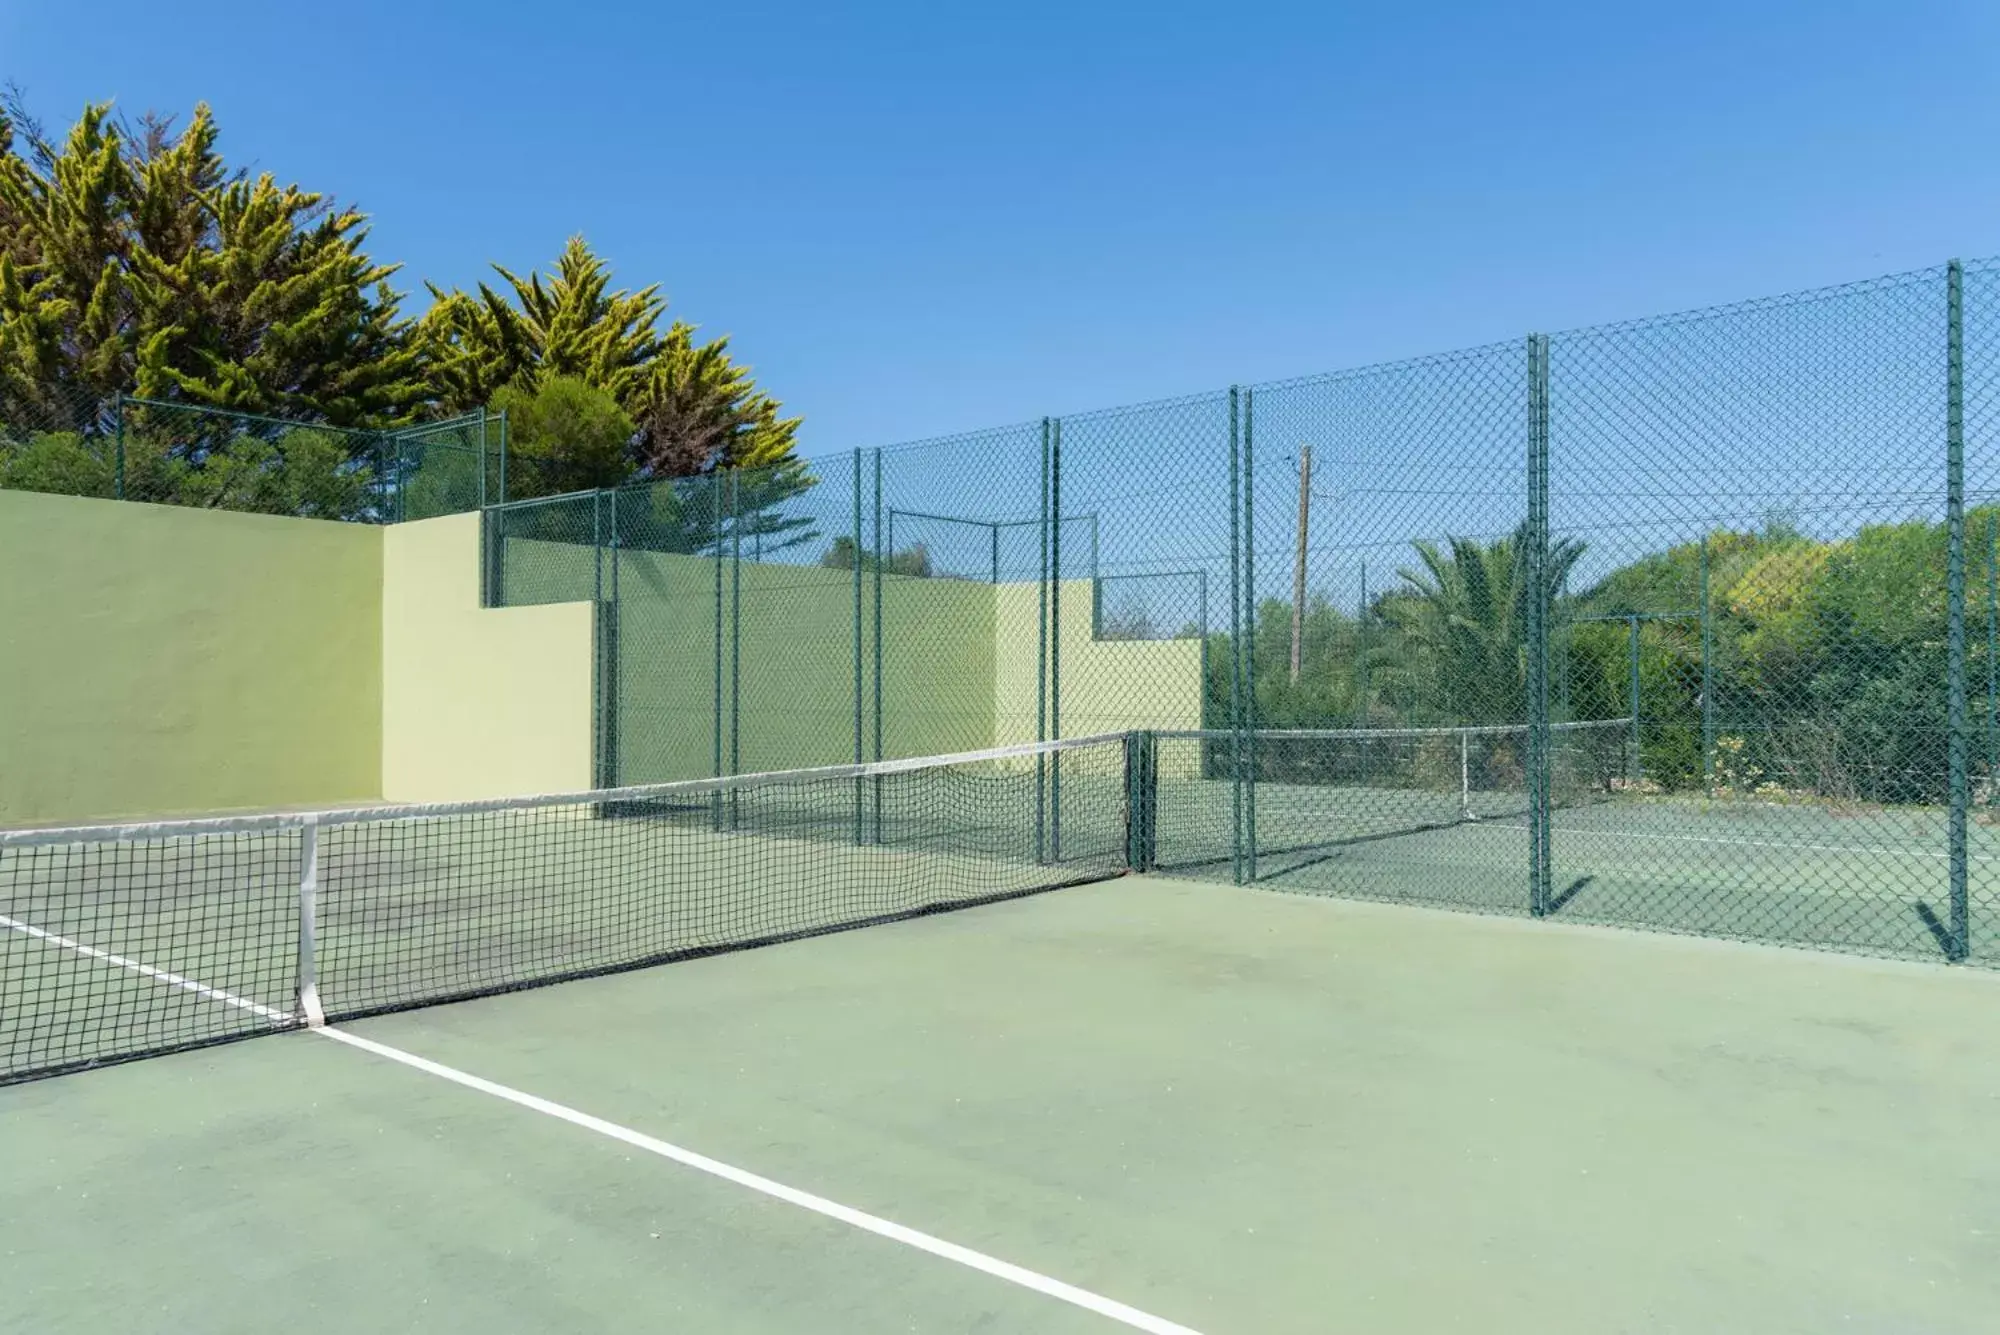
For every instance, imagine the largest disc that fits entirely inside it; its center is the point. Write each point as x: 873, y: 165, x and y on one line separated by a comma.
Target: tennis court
x: 1225, y: 1109
x: 1081, y: 1100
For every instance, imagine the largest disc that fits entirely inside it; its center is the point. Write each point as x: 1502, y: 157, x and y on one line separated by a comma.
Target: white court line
x: 148, y: 971
x: 805, y: 1200
x: 1766, y: 843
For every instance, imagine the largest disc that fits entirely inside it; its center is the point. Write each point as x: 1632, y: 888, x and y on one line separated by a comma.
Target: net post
x: 856, y: 539
x: 1960, y: 934
x: 1235, y: 638
x: 1042, y: 654
x: 1134, y: 814
x: 1250, y: 637
x: 309, y: 1008
x: 1465, y: 775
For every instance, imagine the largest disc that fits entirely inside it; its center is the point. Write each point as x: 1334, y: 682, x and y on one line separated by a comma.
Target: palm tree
x: 1459, y: 649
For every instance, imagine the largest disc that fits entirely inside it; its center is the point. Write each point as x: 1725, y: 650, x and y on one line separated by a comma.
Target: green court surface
x: 1872, y: 880
x: 1227, y: 1109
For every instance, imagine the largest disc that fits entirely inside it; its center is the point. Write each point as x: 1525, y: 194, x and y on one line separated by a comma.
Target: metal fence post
x: 1042, y: 653
x: 1055, y: 637
x: 1536, y: 561
x: 856, y: 539
x: 879, y: 653
x: 1250, y: 748
x: 714, y: 485
x: 1707, y: 680
x: 735, y: 635
x: 503, y: 456
x: 597, y: 632
x: 1992, y: 657
x: 1235, y: 640
x: 1634, y: 768
x: 1954, y: 429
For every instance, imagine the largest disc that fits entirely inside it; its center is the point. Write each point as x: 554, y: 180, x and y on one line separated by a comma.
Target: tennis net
x: 126, y: 941
x: 1302, y: 790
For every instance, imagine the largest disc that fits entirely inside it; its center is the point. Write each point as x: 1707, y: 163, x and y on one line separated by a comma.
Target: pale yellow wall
x: 476, y: 702
x: 1107, y: 686
x: 158, y: 660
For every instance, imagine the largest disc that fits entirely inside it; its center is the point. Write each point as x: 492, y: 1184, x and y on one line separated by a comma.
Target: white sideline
x: 701, y: 1163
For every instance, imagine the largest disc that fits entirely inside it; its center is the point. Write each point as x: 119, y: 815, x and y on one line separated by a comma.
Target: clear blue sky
x: 917, y: 218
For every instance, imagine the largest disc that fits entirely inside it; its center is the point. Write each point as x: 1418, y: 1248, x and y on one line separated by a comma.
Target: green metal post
x: 1707, y: 680
x: 1042, y: 653
x: 880, y: 648
x: 1954, y: 430
x: 503, y: 456
x: 858, y: 836
x: 715, y: 525
x: 597, y: 629
x: 1250, y: 636
x: 1055, y: 638
x: 612, y: 650
x: 1235, y: 638
x: 1361, y: 655
x: 118, y: 465
x: 1539, y: 877
x: 1634, y: 770
x: 1992, y: 657
x: 482, y: 459
x: 735, y: 635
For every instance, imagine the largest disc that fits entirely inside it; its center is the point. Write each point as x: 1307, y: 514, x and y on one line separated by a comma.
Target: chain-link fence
x: 128, y: 448
x: 1690, y: 623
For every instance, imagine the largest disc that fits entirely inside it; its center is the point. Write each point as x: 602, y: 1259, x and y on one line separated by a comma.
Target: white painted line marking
x: 805, y: 1200
x: 215, y: 994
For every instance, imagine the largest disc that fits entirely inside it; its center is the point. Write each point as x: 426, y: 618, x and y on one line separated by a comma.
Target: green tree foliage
x: 695, y: 409
x: 914, y: 560
x: 136, y: 259
x: 1458, y: 653
x: 564, y: 435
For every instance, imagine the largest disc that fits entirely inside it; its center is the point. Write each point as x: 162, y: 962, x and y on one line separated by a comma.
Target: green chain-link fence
x: 1689, y: 623
x: 136, y: 449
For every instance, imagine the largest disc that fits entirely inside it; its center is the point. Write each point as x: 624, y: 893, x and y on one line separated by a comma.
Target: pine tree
x: 695, y: 408
x: 136, y: 259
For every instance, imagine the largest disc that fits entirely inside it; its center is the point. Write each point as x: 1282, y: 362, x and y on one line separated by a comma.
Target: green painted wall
x: 157, y: 660
x: 1107, y: 685
x: 476, y: 702
x: 793, y: 647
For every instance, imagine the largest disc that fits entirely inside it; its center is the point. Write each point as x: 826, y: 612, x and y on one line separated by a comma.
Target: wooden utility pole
x: 1299, y: 560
